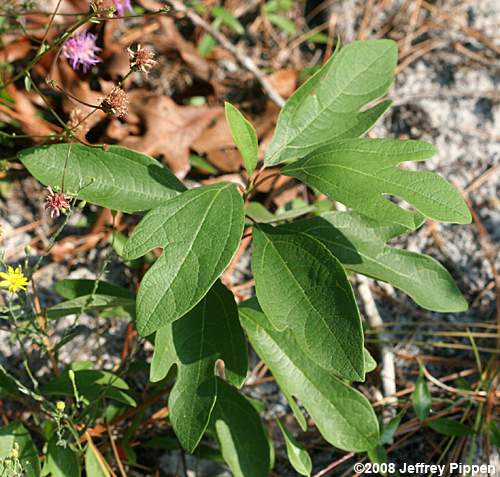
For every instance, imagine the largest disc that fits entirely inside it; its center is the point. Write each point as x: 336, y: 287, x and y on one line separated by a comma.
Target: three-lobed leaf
x: 115, y: 177
x: 210, y: 331
x: 359, y: 172
x: 303, y: 288
x: 199, y: 232
x: 359, y: 243
x: 343, y: 415
x: 244, y: 136
x: 327, y: 107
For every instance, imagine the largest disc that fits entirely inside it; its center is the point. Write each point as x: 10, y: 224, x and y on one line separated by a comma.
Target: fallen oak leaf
x: 169, y: 129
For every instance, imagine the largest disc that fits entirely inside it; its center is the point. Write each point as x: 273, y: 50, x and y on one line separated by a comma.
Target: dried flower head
x: 115, y: 103
x: 13, y: 279
x: 57, y: 203
x: 81, y: 50
x: 122, y: 5
x: 142, y: 59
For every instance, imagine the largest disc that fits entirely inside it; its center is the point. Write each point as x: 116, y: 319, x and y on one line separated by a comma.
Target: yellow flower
x: 60, y: 405
x: 13, y: 279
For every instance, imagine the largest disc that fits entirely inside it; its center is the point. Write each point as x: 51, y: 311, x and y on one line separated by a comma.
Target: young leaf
x: 89, y: 302
x: 210, y: 331
x: 358, y: 172
x: 388, y: 431
x: 449, y: 427
x: 284, y: 23
x: 297, y: 455
x: 61, y: 461
x: 243, y: 441
x: 93, y: 465
x: 370, y: 363
x: 359, y: 243
x: 116, y: 177
x: 421, y: 398
x: 327, y: 107
x: 91, y: 385
x: 302, y: 287
x: 228, y: 19
x: 244, y: 136
x: 343, y: 415
x: 15, y: 435
x: 199, y: 231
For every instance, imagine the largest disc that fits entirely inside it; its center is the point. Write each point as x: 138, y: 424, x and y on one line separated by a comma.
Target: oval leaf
x: 115, y: 177
x: 244, y: 136
x: 343, y: 415
x: 199, y: 231
x: 327, y: 107
x: 360, y: 244
x: 297, y: 455
x: 302, y: 287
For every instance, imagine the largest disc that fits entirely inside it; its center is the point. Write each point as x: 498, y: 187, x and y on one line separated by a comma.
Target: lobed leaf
x: 358, y: 172
x: 328, y: 106
x: 199, y: 231
x: 303, y: 288
x: 343, y: 415
x: 115, y: 177
x: 359, y: 243
x: 210, y: 331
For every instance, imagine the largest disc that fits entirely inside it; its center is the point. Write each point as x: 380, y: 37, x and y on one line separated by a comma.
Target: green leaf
x: 243, y: 441
x: 228, y: 19
x: 61, y: 461
x: 199, y: 231
x: 359, y: 243
x: 93, y: 467
x: 358, y: 172
x: 388, y: 431
x: 116, y: 177
x: 210, y: 331
x: 89, y: 302
x: 327, y: 107
x: 73, y: 288
x: 494, y: 433
x: 297, y: 455
x: 449, y: 427
x: 244, y: 136
x: 284, y: 23
x: 421, y: 397
x: 378, y: 455
x: 370, y: 363
x: 343, y: 415
x: 91, y: 385
x: 202, y: 164
x: 303, y: 288
x: 15, y: 435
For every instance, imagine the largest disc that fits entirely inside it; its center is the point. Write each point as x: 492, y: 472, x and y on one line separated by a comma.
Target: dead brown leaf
x: 284, y: 82
x: 169, y: 129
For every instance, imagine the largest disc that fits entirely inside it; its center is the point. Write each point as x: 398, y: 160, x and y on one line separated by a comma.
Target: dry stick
x: 115, y: 452
x: 240, y: 56
x: 334, y: 464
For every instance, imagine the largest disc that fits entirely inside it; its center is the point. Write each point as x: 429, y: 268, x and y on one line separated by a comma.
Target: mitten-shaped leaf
x: 358, y: 172
x: 243, y: 441
x: 115, y: 177
x: 199, y: 232
x: 343, y: 415
x: 303, y: 288
x: 360, y: 244
x: 210, y: 331
x: 327, y: 107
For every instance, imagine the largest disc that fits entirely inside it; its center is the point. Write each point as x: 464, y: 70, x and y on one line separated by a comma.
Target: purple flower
x: 121, y: 6
x: 81, y: 49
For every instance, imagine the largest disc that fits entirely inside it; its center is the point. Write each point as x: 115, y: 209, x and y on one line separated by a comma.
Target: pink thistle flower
x: 81, y: 49
x: 122, y: 5
x: 57, y: 202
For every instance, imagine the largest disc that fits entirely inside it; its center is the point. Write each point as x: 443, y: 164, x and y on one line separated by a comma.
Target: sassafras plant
x: 304, y: 322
